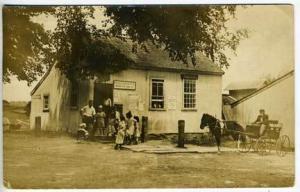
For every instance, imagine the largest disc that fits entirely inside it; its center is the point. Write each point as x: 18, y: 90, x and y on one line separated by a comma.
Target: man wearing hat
x: 100, y: 120
x: 263, y: 120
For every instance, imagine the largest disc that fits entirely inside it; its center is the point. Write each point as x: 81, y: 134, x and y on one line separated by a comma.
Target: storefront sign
x: 128, y: 85
x: 172, y: 102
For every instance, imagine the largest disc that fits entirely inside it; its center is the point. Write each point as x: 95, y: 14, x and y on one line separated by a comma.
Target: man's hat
x: 100, y: 106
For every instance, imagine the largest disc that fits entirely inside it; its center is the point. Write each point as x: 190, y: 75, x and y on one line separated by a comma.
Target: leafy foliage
x: 181, y: 30
x: 25, y: 43
x: 81, y: 49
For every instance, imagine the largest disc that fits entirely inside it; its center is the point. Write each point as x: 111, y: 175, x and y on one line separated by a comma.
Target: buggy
x: 264, y: 142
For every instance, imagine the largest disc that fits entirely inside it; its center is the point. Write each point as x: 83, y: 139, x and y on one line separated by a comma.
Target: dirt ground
x: 60, y: 162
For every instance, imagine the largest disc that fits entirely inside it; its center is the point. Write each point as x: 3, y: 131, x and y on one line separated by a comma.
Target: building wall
x: 278, y: 101
x: 208, y: 99
x: 62, y: 117
x: 55, y: 86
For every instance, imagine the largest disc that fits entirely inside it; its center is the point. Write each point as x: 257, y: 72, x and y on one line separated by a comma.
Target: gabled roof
x: 281, y: 78
x: 41, y: 80
x: 157, y: 60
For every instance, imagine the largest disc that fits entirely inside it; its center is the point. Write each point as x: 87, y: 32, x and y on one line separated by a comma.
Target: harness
x: 216, y: 125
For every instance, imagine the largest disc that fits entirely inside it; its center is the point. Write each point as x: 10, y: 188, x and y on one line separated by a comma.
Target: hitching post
x: 181, y: 124
x: 144, y: 129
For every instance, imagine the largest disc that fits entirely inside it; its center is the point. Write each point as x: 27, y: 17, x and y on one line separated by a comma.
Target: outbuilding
x: 276, y: 98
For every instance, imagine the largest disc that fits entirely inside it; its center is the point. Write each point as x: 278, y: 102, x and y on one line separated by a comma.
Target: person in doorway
x: 100, y: 120
x: 263, y: 120
x: 88, y: 113
x: 130, y: 127
x: 107, y: 104
x: 121, y: 133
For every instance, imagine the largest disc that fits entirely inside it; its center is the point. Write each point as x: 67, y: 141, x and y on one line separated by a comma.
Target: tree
x: 181, y: 30
x: 25, y: 43
x: 82, y: 50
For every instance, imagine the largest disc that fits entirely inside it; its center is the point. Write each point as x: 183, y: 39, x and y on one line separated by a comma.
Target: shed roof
x: 242, y: 85
x: 269, y: 85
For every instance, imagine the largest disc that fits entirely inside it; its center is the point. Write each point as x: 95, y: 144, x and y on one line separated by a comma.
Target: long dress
x: 137, y: 132
x: 130, y: 130
x: 100, y: 121
x: 121, y: 133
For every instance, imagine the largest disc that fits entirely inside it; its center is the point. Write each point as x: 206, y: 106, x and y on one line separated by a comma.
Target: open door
x: 102, y: 91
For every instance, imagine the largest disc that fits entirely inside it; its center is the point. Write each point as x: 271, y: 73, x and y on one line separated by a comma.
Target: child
x: 82, y: 133
x: 121, y: 133
x: 137, y: 131
x: 111, y: 124
x: 100, y: 120
x: 130, y: 126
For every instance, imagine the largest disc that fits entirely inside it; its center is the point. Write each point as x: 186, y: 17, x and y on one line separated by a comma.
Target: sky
x: 268, y: 52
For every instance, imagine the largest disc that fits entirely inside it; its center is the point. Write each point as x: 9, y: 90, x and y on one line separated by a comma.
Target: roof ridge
x: 42, y: 79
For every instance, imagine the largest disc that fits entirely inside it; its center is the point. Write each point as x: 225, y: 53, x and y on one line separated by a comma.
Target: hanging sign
x: 127, y: 85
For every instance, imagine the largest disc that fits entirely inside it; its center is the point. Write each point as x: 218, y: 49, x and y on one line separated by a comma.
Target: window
x: 46, y: 103
x: 157, y: 94
x: 74, y: 95
x: 189, y: 93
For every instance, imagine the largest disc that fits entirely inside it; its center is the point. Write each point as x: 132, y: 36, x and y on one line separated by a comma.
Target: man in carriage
x: 263, y: 121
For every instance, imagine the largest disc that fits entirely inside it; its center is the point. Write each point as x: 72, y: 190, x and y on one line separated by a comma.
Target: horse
x: 231, y: 128
x: 214, y: 127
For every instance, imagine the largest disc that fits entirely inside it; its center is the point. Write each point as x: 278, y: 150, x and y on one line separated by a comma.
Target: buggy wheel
x: 283, y: 144
x: 244, y: 145
x: 262, y: 146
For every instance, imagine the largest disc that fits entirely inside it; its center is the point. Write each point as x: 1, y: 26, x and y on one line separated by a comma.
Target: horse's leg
x: 218, y: 140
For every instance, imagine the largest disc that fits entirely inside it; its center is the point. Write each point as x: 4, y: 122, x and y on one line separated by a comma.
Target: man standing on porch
x: 88, y: 112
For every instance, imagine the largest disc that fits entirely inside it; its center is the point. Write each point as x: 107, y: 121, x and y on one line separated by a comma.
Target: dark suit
x: 263, y: 119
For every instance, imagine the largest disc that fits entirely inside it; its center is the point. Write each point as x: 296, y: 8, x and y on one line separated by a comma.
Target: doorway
x: 102, y: 91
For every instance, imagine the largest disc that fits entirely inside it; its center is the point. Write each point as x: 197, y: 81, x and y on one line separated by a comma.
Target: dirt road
x: 60, y: 162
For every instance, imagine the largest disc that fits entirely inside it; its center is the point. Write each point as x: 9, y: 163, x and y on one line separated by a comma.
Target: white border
x: 296, y: 4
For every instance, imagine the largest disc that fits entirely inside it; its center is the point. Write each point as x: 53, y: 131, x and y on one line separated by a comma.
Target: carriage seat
x: 272, y: 129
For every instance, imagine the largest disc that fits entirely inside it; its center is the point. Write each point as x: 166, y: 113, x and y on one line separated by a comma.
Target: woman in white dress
x: 121, y: 133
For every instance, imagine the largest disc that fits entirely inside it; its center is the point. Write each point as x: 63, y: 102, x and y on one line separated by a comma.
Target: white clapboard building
x: 163, y: 90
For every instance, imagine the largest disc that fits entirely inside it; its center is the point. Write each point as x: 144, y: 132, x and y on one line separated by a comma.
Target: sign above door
x: 126, y: 85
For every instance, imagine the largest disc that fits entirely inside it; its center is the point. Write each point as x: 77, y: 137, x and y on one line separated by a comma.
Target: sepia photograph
x: 148, y: 96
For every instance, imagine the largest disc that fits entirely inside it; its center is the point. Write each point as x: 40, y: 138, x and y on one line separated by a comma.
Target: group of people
x: 110, y: 122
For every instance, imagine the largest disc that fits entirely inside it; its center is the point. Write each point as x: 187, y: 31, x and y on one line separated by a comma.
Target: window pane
x: 157, y: 97
x: 189, y: 89
x: 46, y: 102
x: 160, y: 90
x: 154, y: 89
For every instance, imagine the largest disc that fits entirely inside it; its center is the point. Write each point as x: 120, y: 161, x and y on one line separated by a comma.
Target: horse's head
x: 204, y: 121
